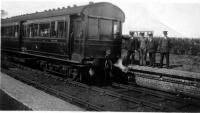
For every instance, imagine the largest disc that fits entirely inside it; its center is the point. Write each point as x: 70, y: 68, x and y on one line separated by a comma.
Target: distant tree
x: 3, y: 13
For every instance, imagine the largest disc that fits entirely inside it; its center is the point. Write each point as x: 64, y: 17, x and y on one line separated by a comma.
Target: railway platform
x: 25, y: 97
x: 175, y: 81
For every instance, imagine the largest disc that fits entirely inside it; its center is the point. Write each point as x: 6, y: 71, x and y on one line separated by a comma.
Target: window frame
x: 11, y: 29
x: 40, y: 23
x: 119, y: 29
x: 113, y: 36
x: 88, y: 30
x: 64, y: 28
x: 107, y: 35
x: 49, y: 21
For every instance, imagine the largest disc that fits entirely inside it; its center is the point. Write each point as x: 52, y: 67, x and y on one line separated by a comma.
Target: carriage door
x: 75, y: 36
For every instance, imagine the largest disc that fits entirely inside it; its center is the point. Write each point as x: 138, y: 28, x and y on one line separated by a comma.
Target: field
x: 178, y: 62
x: 186, y: 62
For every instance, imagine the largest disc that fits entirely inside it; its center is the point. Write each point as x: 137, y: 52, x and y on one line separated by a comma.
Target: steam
x: 121, y: 66
x: 91, y: 72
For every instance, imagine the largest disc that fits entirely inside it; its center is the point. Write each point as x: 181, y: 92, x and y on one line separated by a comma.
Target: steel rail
x: 157, y: 93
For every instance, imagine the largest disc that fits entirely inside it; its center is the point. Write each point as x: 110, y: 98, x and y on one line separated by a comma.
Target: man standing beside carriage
x: 133, y: 47
x: 148, y: 46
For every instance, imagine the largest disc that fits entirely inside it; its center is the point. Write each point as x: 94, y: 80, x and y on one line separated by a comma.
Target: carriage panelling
x: 46, y: 46
x: 10, y: 43
x: 98, y: 48
x: 47, y: 35
x: 10, y: 35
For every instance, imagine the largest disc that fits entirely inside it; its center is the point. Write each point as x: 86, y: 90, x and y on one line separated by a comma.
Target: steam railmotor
x: 78, y: 41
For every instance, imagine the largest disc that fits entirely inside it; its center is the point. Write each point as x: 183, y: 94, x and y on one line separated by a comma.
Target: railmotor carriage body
x: 78, y: 35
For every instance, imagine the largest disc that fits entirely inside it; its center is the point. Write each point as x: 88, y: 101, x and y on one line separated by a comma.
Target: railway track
x: 116, y: 98
x: 159, y: 94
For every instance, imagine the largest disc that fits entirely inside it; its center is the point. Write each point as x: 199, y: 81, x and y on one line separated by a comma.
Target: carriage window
x: 53, y: 29
x: 30, y: 30
x: 77, y: 30
x: 106, y: 28
x: 116, y: 29
x: 11, y: 31
x: 4, y: 31
x: 24, y: 28
x: 35, y: 30
x: 93, y: 28
x: 15, y: 31
x: 58, y: 29
x: 44, y: 29
x: 61, y: 29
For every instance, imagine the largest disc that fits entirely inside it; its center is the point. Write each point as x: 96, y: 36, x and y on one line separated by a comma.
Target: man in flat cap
x: 143, y: 49
x: 164, y: 47
x: 151, y: 49
x: 133, y: 46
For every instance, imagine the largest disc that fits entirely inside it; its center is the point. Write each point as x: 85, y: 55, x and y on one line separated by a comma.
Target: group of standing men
x: 148, y: 45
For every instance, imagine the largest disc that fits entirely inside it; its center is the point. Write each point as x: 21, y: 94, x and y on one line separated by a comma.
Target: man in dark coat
x: 151, y: 49
x: 164, y: 49
x: 133, y: 46
x: 143, y: 49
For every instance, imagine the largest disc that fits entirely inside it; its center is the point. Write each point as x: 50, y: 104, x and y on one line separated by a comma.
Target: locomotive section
x: 74, y: 53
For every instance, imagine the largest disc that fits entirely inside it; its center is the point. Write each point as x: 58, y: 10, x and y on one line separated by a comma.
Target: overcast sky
x: 180, y: 17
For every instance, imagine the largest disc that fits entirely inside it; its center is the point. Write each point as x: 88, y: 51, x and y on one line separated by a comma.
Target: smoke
x: 91, y: 72
x: 3, y: 13
x: 121, y: 66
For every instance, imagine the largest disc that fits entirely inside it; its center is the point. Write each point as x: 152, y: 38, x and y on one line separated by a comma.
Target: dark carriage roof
x: 55, y: 12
